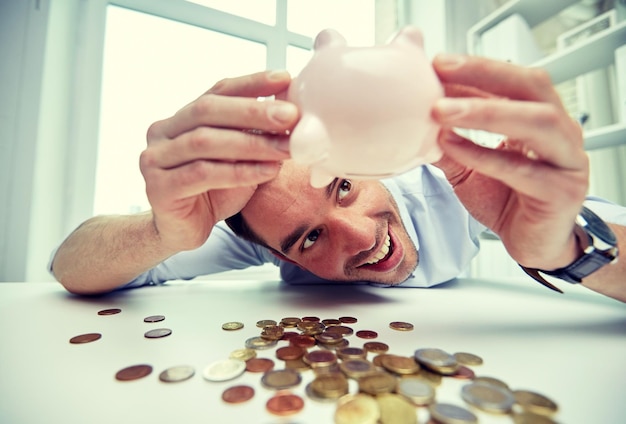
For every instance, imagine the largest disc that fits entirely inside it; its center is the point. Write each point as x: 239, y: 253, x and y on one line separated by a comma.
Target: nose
x: 352, y: 231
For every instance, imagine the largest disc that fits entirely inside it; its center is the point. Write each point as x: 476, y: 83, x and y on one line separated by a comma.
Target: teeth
x: 382, y: 252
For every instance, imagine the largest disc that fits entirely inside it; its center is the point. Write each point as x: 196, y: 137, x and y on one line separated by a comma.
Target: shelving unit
x: 596, y: 52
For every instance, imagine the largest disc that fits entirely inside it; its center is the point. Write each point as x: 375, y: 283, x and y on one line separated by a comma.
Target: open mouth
x: 383, y: 254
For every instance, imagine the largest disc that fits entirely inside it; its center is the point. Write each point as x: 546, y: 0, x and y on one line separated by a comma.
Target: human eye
x: 310, y: 239
x: 344, y: 188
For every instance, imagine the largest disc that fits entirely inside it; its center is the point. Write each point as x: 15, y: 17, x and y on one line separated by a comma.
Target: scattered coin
x: 320, y: 358
x: 287, y: 353
x: 376, y: 347
x: 351, y: 353
x: 357, y: 368
x: 329, y: 338
x: 366, y: 334
x: 530, y: 418
x: 330, y: 386
x: 272, y: 332
x: 466, y: 358
x: 446, y: 413
x: 348, y: 320
x: 157, y: 333
x: 535, y: 403
x: 491, y: 380
x: 224, y: 370
x: 177, y: 373
x: 290, y: 321
x: 401, y: 326
x: 243, y: 354
x: 359, y: 408
x: 311, y: 319
x: 154, y: 318
x: 85, y: 338
x: 133, y: 372
x: 260, y: 343
x: 281, y: 379
x: 259, y: 365
x: 111, y: 311
x: 488, y: 398
x: 437, y: 360
x: 377, y: 383
x: 464, y: 373
x: 303, y: 341
x: 285, y: 404
x: 395, y: 409
x: 238, y: 394
x: 232, y: 326
x: 265, y: 322
x: 417, y: 390
x: 400, y: 364
x: 340, y: 329
x: 331, y: 321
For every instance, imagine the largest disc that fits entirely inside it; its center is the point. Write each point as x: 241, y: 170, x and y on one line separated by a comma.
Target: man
x: 203, y: 165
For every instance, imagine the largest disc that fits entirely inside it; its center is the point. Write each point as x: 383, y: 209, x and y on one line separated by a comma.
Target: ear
x: 329, y: 38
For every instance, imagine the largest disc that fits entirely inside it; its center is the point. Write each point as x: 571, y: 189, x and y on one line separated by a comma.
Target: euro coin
x: 290, y: 321
x: 400, y: 364
x: 176, y: 374
x: 466, y: 358
x: 243, y: 354
x: 535, y: 402
x: 491, y: 380
x: 302, y: 341
x: 401, y: 326
x: 437, y: 360
x: 259, y: 343
x: 224, y: 370
x: 281, y: 379
x: 339, y: 329
x: 272, y: 332
x: 330, y: 386
x: 366, y: 334
x: 352, y: 353
x: 265, y: 322
x: 417, y: 390
x: 530, y: 418
x: 154, y: 318
x: 376, y: 347
x: 232, y: 326
x: 348, y: 320
x: 446, y: 413
x: 259, y: 365
x: 329, y: 338
x: 488, y: 398
x: 238, y: 394
x: 111, y: 311
x: 157, y: 333
x: 360, y: 408
x: 463, y: 373
x: 356, y: 368
x: 395, y: 409
x: 377, y: 383
x: 284, y: 404
x: 133, y: 372
x: 319, y: 358
x: 85, y: 338
x: 287, y: 353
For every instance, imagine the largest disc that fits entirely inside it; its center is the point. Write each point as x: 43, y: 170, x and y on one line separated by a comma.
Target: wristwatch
x: 599, y: 246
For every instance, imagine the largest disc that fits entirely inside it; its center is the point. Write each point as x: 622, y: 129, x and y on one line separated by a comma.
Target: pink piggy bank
x: 365, y: 112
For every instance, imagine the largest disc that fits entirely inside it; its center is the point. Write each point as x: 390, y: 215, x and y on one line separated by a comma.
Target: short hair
x: 240, y: 227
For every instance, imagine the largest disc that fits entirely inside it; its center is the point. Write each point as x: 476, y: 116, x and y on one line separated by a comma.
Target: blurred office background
x: 81, y: 81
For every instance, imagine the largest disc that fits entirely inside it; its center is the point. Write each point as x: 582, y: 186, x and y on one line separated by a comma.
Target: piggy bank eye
x: 344, y: 189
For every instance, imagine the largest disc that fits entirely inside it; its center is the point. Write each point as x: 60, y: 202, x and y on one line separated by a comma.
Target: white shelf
x: 596, y: 52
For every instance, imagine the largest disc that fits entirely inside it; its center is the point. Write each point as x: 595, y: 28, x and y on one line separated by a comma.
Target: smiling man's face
x: 347, y: 231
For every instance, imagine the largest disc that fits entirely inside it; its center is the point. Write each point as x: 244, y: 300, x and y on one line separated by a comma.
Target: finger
x: 537, y: 179
x: 202, y: 176
x: 260, y: 84
x: 218, y: 144
x: 542, y: 127
x: 496, y: 77
x: 228, y: 112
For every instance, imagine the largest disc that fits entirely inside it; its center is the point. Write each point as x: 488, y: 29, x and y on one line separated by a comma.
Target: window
x: 156, y: 61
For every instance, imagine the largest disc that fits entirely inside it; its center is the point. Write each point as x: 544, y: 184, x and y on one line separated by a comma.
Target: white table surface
x: 569, y: 347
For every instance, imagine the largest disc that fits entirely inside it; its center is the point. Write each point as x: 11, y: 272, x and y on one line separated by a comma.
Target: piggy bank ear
x: 409, y: 36
x: 329, y: 38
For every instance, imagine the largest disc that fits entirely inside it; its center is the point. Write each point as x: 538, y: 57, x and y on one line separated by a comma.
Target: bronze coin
x: 330, y: 322
x: 285, y: 404
x: 111, y: 311
x: 237, y: 394
x: 348, y: 320
x: 340, y: 329
x: 288, y: 335
x: 259, y: 365
x: 85, y: 338
x: 464, y: 373
x: 401, y: 326
x: 320, y: 358
x: 376, y: 347
x: 366, y: 334
x: 288, y: 353
x: 157, y: 333
x: 302, y: 341
x: 310, y: 319
x: 134, y: 372
x: 154, y: 318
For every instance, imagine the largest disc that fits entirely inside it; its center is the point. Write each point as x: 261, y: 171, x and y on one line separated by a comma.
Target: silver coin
x: 224, y: 370
x: 178, y: 373
x: 281, y: 379
x: 154, y: 318
x: 446, y: 413
x: 417, y: 390
x: 157, y: 333
x: 259, y: 343
x: 488, y: 397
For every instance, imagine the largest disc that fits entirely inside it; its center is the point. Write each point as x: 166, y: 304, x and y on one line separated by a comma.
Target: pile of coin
x: 390, y: 388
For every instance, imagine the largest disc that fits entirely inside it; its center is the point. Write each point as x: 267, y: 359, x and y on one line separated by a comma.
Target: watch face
x: 598, y: 227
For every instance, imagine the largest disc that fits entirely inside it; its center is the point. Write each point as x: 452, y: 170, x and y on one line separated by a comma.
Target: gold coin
x: 395, y: 409
x: 265, y: 322
x: 530, y: 418
x: 272, y: 332
x: 466, y: 358
x: 377, y: 383
x: 400, y: 364
x: 417, y: 390
x: 430, y: 377
x: 358, y: 408
x: 356, y: 368
x: 437, y: 360
x: 232, y: 326
x: 488, y: 398
x: 290, y: 321
x: 330, y: 386
x: 535, y: 402
x: 243, y: 354
x: 297, y: 365
x: 401, y: 326
x: 260, y: 343
x: 281, y: 379
x: 445, y: 413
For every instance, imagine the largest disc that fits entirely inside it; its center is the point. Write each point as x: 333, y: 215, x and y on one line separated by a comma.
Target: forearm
x: 108, y: 251
x: 611, y: 279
